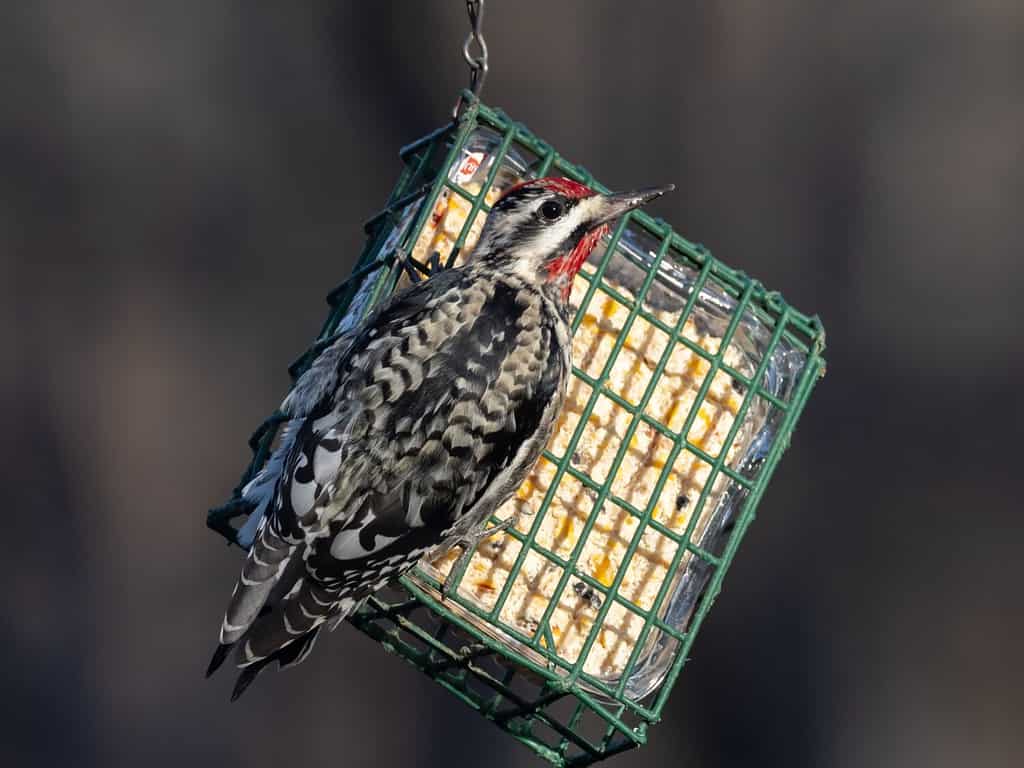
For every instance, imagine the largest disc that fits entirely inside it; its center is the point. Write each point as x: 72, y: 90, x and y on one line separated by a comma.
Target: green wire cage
x: 521, y: 658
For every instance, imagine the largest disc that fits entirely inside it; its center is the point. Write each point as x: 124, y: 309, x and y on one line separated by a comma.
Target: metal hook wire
x: 478, y: 66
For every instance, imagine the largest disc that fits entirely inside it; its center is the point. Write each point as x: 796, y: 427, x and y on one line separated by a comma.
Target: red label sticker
x: 469, y: 166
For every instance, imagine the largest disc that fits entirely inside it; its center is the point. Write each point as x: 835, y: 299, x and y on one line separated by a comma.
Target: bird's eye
x: 551, y: 210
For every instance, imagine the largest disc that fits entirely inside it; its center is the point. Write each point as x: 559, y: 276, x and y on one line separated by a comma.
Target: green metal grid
x: 553, y: 706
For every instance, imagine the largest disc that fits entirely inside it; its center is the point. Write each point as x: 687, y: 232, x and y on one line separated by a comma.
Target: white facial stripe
x: 544, y: 244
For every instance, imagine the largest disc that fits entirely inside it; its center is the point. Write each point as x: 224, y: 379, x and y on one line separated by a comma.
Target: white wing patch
x: 326, y: 464
x: 346, y: 545
x: 302, y: 494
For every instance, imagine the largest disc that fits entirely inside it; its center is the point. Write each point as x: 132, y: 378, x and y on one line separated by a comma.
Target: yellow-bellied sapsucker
x: 405, y: 435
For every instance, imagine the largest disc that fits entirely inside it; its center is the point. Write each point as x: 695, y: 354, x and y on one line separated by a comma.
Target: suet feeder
x: 570, y: 630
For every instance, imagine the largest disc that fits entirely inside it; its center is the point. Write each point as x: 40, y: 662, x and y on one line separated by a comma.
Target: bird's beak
x: 610, y: 207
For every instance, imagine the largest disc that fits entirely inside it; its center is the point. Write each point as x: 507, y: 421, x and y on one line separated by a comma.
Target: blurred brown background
x: 181, y: 183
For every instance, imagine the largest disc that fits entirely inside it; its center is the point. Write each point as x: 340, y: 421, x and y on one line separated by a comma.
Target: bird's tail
x: 286, y: 634
x: 306, y: 607
x: 289, y: 655
x: 263, y: 567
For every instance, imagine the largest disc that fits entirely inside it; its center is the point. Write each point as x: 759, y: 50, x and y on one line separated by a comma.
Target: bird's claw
x: 435, y: 264
x: 468, y: 545
x: 416, y: 271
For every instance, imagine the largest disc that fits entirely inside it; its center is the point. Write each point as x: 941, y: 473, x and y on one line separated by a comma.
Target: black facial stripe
x: 574, y: 237
x: 571, y: 240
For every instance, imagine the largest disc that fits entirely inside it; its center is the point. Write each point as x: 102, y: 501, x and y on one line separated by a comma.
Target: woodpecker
x: 406, y: 434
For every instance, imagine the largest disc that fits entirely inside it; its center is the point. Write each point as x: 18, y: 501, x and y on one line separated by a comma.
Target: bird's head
x: 545, y: 229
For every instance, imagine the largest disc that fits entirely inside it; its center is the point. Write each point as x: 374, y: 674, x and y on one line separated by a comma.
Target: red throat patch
x: 566, y: 267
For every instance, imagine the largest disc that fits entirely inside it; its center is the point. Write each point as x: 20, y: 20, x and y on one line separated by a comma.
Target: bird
x: 405, y: 434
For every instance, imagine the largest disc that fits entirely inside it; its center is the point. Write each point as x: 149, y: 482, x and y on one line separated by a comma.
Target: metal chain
x: 477, y: 64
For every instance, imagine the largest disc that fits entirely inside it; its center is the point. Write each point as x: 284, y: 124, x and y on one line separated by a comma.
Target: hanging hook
x: 477, y: 64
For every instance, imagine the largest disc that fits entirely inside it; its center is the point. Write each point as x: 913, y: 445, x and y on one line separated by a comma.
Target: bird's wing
x: 306, y: 395
x: 445, y: 411
x: 326, y: 426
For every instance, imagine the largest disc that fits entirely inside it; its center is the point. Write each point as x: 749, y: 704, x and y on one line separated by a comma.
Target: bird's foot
x: 434, y: 264
x: 468, y: 545
x: 416, y: 271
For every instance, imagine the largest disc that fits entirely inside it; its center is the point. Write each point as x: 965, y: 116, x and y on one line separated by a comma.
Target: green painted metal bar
x: 743, y: 520
x: 544, y: 168
x: 697, y: 512
x: 468, y: 196
x: 605, y: 490
x: 538, y: 669
x: 631, y: 430
x: 694, y: 252
x: 499, y: 158
x: 573, y: 442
